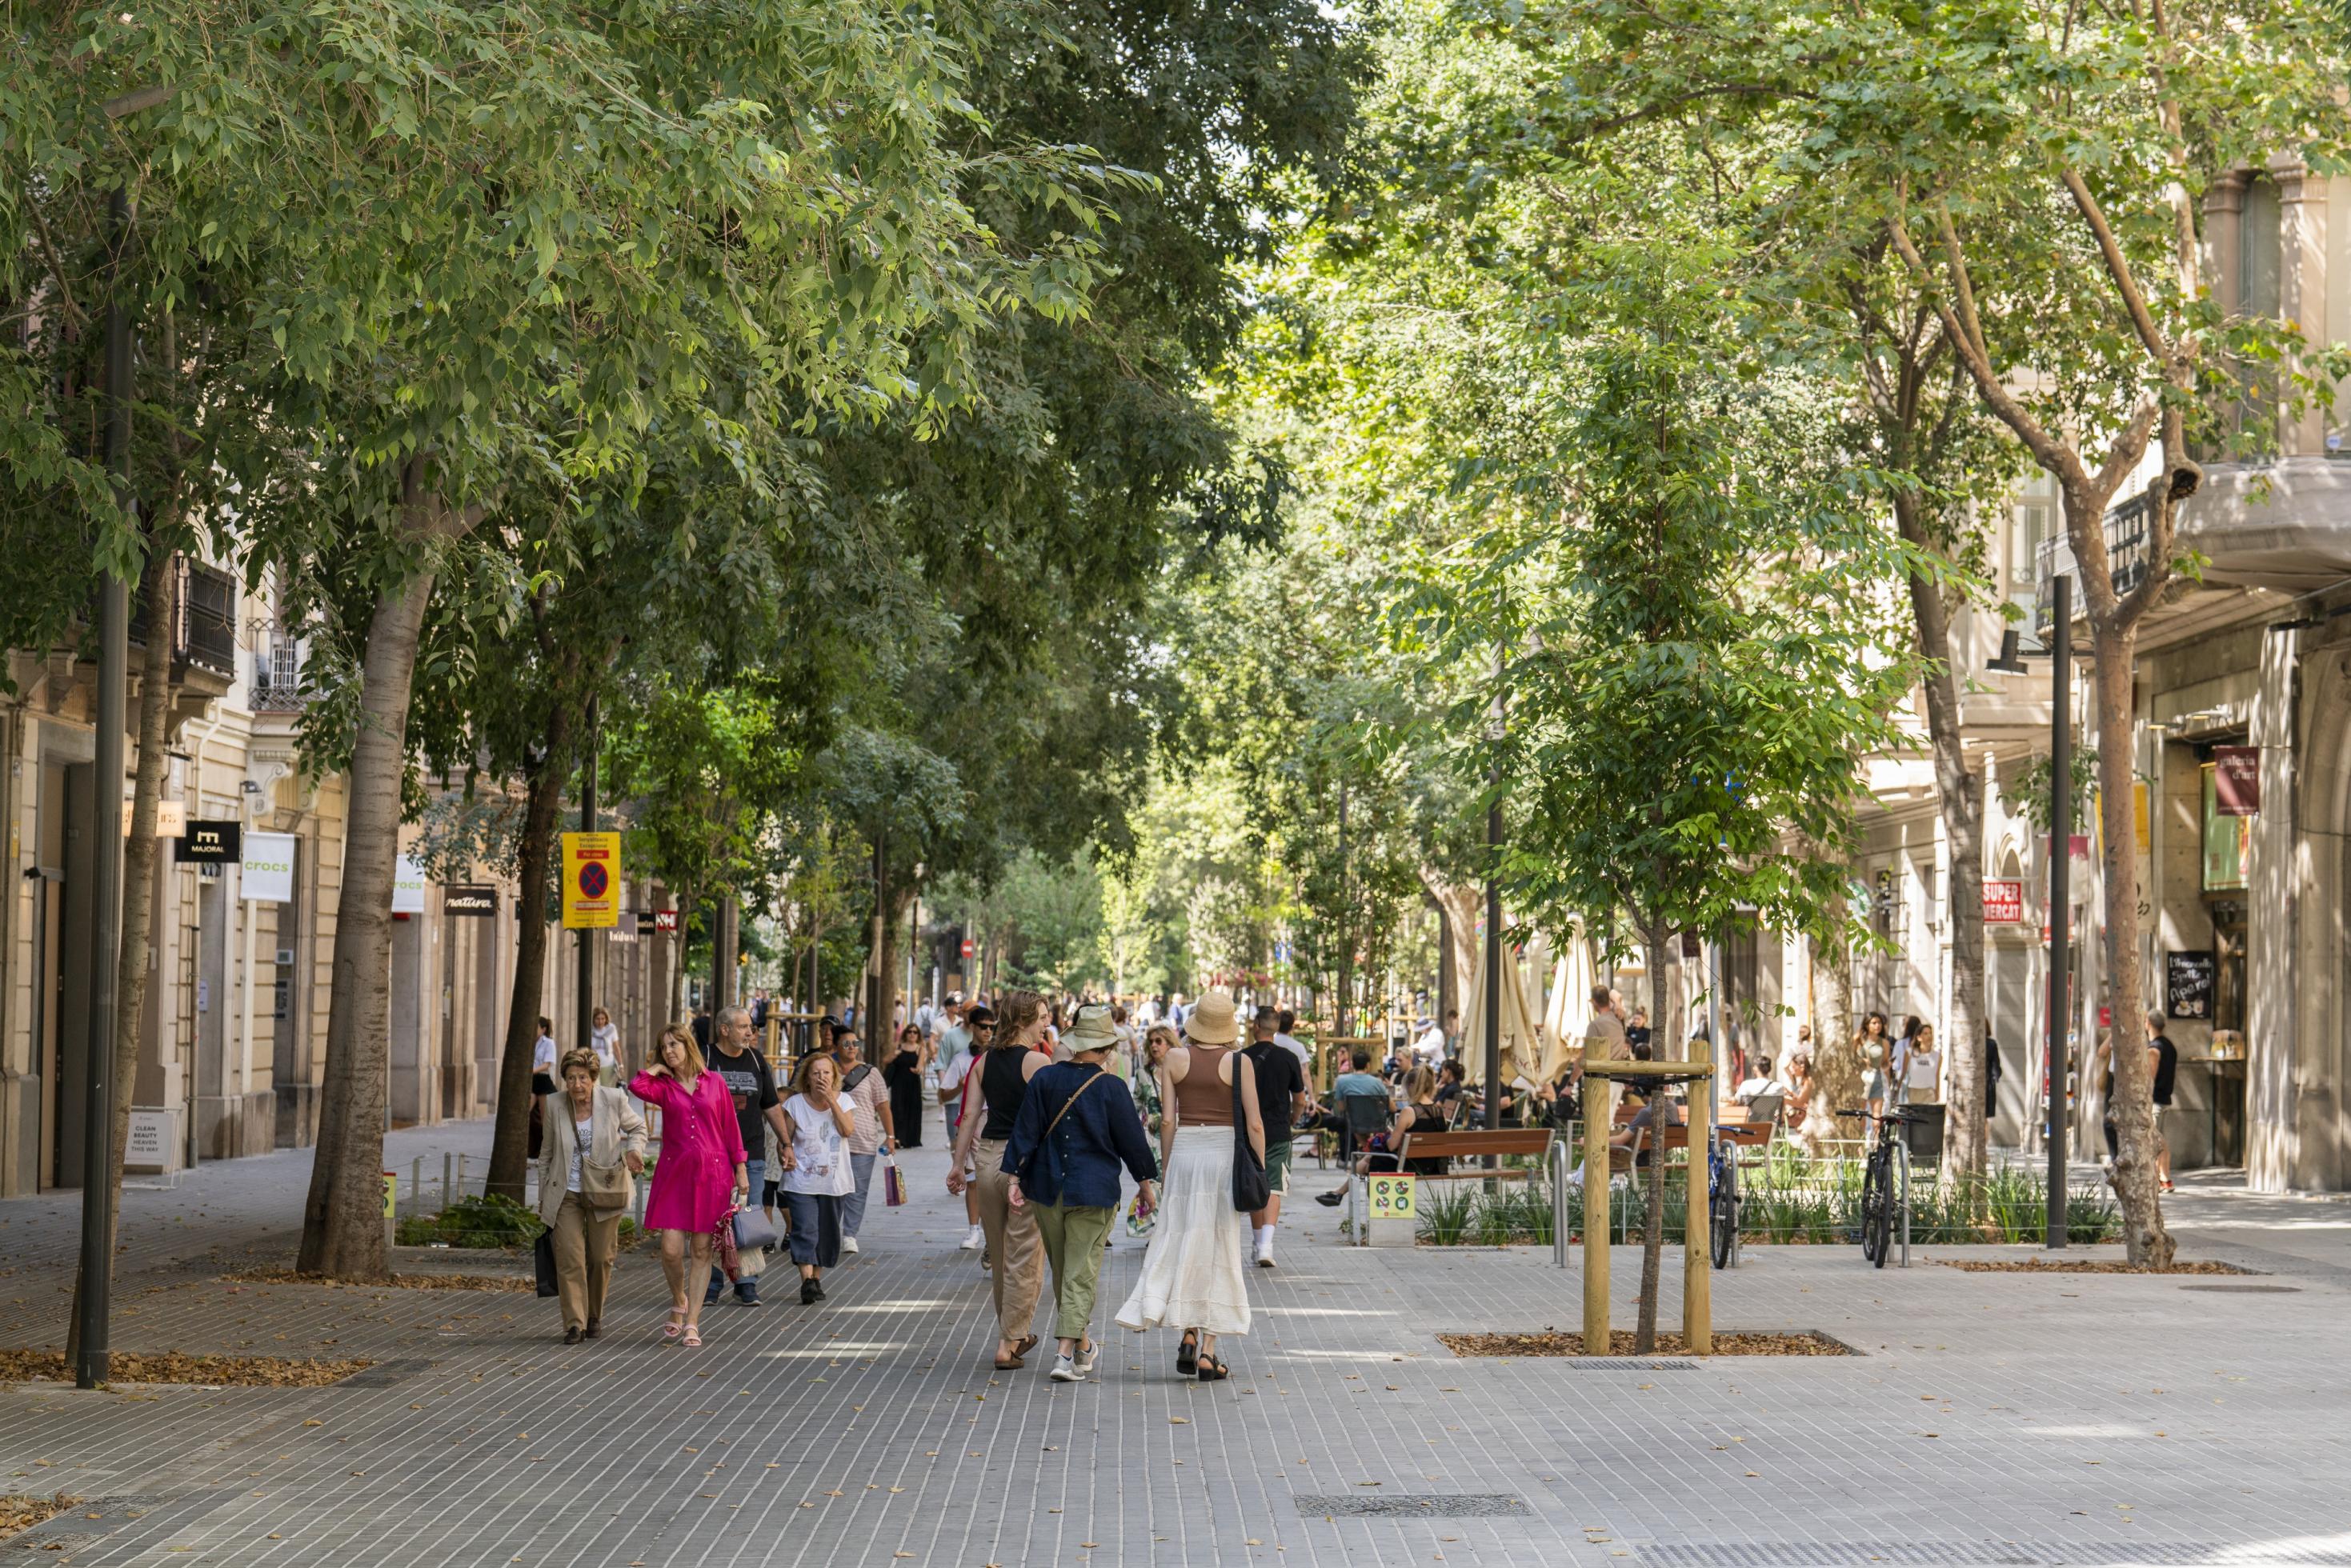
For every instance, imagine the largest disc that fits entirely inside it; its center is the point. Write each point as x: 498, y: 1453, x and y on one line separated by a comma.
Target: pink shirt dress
x: 701, y: 1145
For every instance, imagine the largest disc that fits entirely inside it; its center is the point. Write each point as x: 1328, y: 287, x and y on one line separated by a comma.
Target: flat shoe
x: 1330, y: 1200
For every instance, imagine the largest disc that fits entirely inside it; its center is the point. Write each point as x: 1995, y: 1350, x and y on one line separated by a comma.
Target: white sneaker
x: 976, y: 1240
x: 1265, y: 1254
x: 1087, y: 1355
x: 848, y: 1246
x: 1065, y: 1370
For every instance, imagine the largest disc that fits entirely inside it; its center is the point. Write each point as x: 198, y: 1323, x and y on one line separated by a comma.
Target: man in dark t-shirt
x: 750, y: 1083
x: 1280, y: 1097
x: 2166, y: 1070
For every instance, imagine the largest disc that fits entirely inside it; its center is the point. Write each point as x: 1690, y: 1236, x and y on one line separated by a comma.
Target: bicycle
x: 1877, y: 1199
x: 1721, y: 1200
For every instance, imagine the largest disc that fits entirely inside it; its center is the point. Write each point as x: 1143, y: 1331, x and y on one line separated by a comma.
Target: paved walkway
x: 1989, y: 1420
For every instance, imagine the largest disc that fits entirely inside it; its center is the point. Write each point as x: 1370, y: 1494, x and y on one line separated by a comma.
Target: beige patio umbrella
x: 1521, y: 1058
x: 1569, y: 1007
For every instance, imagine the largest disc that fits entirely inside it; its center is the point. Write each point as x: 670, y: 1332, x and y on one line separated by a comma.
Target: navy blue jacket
x: 1079, y: 1166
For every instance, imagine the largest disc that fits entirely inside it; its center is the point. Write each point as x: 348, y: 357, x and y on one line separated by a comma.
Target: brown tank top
x: 1203, y: 1099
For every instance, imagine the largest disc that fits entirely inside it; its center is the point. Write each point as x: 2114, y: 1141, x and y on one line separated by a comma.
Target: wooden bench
x: 1453, y: 1146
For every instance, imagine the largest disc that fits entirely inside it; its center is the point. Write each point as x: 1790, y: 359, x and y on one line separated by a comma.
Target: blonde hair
x: 1420, y: 1086
x: 1015, y: 1013
x: 806, y: 1066
x: 587, y: 1061
x: 684, y: 1036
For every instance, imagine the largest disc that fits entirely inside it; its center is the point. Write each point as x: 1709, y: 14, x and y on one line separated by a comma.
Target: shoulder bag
x: 1251, y: 1189
x: 604, y: 1187
x: 1046, y: 1142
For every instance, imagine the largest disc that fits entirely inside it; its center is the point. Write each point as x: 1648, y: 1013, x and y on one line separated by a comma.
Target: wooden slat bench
x: 1452, y: 1145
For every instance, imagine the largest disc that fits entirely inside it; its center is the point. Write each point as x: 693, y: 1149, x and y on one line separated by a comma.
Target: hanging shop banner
x: 2237, y: 781
x: 269, y: 868
x: 591, y: 881
x: 2004, y: 903
x: 209, y: 842
x: 477, y: 900
x: 171, y: 819
x: 665, y: 921
x: 408, y: 886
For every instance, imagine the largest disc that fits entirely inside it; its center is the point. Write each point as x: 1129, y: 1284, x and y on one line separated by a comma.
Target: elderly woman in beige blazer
x: 595, y: 1145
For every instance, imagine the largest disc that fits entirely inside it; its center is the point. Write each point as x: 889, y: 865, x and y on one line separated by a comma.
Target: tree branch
x: 2118, y: 268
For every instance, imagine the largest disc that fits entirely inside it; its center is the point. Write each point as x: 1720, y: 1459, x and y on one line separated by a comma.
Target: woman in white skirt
x: 1192, y: 1273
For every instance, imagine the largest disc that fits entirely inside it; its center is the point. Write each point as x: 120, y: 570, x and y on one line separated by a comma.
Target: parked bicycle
x: 1721, y: 1200
x: 1877, y: 1195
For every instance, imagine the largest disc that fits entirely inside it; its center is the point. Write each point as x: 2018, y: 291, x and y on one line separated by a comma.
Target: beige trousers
x: 585, y: 1240
x: 1013, y: 1245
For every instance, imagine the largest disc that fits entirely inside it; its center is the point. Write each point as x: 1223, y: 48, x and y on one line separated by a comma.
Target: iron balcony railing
x: 203, y: 629
x: 2126, y: 552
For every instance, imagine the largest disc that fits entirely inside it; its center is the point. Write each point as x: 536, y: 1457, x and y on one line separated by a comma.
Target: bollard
x: 446, y: 1163
x: 1560, y: 1169
x: 416, y: 1186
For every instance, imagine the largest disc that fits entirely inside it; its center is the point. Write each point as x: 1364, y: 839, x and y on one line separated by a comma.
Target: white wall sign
x: 408, y: 887
x: 269, y: 868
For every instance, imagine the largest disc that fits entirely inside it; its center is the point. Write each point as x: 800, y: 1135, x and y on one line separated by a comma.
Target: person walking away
x: 956, y: 1087
x: 1283, y: 1023
x: 1002, y: 1081
x: 595, y: 1148
x: 2163, y: 1066
x: 904, y: 1075
x: 1281, y: 1099
x: 544, y: 1053
x: 742, y: 1066
x: 813, y: 1150
x: 870, y: 1133
x: 605, y: 1039
x: 701, y: 1163
x: 1077, y: 1125
x: 1192, y: 1271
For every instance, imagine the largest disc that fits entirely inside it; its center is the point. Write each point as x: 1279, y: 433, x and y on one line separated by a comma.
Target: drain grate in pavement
x: 1411, y: 1505
x: 2251, y: 1290
x: 1626, y: 1363
x: 1970, y: 1555
x: 384, y: 1374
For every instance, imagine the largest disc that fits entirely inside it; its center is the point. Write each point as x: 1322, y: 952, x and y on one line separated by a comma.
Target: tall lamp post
x: 2061, y: 863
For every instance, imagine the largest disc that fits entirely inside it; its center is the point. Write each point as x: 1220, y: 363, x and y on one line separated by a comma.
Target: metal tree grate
x: 1626, y: 1363
x: 1976, y: 1554
x: 1411, y: 1505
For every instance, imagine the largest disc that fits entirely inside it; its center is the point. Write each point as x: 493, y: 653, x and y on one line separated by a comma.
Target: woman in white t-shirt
x: 1921, y: 1069
x: 814, y: 1156
x: 605, y: 1039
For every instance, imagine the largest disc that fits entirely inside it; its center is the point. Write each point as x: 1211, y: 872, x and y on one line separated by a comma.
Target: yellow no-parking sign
x: 591, y: 881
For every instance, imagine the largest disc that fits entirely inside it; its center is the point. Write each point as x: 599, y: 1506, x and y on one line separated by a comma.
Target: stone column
x: 2274, y: 1075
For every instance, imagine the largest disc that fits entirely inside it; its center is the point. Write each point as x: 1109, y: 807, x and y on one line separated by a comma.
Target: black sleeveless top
x: 1001, y: 1089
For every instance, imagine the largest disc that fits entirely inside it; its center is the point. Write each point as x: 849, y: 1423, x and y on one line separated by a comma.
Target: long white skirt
x: 1192, y: 1271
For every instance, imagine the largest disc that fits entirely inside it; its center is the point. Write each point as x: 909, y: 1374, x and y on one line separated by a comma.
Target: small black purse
x: 1251, y: 1191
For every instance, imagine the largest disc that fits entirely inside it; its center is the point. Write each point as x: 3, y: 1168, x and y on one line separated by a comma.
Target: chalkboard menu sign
x: 2188, y: 985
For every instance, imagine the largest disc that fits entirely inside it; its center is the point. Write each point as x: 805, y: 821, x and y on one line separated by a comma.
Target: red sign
x: 2237, y: 781
x: 2004, y: 903
x: 2106, y: 1016
x: 967, y: 949
x: 665, y: 920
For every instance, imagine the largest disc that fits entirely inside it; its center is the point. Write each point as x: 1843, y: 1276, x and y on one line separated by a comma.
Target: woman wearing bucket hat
x: 1192, y: 1273
x: 1077, y: 1128
x: 1004, y: 1069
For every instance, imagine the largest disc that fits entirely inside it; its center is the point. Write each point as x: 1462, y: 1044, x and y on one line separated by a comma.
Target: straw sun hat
x: 1213, y: 1021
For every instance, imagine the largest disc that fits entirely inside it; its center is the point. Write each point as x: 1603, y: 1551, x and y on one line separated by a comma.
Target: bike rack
x: 1560, y: 1171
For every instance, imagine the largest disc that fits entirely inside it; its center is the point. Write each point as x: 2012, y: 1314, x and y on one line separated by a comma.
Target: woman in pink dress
x: 700, y: 1142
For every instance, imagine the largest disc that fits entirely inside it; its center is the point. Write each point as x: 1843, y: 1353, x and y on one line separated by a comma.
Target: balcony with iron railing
x: 203, y: 625
x: 279, y: 682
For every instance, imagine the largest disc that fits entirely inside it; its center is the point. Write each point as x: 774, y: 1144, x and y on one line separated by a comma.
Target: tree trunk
x: 1459, y: 906
x: 685, y: 907
x: 2145, y: 1238
x: 1959, y: 795
x: 342, y: 1220
x: 161, y: 584
x: 1653, y: 1234
x: 876, y: 1005
x: 511, y: 1142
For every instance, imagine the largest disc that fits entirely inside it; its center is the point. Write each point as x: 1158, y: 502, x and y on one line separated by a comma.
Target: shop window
x: 2227, y: 842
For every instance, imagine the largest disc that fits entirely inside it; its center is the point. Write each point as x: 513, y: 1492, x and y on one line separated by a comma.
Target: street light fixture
x: 2060, y: 646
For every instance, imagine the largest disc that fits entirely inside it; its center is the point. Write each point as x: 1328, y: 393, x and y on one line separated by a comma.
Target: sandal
x: 1029, y: 1342
x: 675, y: 1324
x: 1213, y: 1370
x: 1187, y: 1353
x: 693, y: 1340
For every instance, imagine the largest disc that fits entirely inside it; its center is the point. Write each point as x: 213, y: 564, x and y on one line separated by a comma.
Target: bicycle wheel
x: 1722, y: 1224
x: 1876, y: 1207
x: 1877, y: 1210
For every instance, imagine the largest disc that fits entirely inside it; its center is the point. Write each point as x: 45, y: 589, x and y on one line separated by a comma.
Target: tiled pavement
x: 1991, y: 1419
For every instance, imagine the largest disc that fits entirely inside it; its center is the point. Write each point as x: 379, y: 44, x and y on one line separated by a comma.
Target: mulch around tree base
x: 170, y: 1366
x: 1620, y: 1342
x: 393, y: 1282
x: 2084, y: 1266
x: 24, y: 1513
